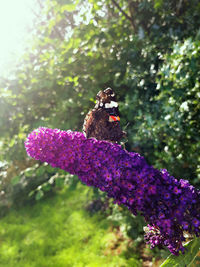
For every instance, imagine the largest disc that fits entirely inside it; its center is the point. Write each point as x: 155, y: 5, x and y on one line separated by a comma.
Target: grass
x: 59, y: 232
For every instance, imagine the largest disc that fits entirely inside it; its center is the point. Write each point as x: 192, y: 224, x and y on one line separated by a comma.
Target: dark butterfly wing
x: 89, y: 123
x: 102, y: 122
x: 97, y: 125
x: 94, y: 123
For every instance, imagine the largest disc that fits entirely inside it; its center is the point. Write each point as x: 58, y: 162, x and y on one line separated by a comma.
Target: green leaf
x: 192, y: 248
x: 31, y: 193
x: 15, y: 180
x: 40, y: 171
x: 29, y: 172
x: 39, y: 195
x: 158, y: 4
x: 59, y: 182
x: 50, y: 169
x: 68, y: 7
x: 46, y: 187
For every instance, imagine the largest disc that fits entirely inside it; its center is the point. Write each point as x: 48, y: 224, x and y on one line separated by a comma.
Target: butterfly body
x: 102, y: 122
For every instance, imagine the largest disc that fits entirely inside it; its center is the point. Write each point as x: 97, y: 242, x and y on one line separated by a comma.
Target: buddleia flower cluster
x: 169, y: 206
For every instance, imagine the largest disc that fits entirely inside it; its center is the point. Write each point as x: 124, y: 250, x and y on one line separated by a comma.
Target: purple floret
x: 168, y: 205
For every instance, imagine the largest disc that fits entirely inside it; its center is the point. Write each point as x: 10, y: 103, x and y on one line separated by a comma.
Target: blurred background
x: 54, y: 58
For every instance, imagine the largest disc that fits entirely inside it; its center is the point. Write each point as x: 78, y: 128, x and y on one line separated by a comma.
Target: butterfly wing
x: 95, y: 124
x: 102, y: 122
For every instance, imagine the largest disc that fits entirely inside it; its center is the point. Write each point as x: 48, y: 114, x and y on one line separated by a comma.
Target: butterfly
x: 103, y: 121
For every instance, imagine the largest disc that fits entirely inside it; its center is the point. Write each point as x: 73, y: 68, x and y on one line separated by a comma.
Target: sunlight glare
x: 16, y: 17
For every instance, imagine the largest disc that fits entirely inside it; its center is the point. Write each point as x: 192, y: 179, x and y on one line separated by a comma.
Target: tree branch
x: 123, y: 12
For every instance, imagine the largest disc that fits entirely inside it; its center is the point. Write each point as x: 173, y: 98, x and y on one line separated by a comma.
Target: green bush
x: 147, y: 55
x: 176, y: 129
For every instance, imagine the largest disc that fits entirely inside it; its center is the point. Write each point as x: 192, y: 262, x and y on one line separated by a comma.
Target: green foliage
x: 31, y: 184
x: 179, y: 95
x: 78, y: 51
x: 51, y: 233
x: 175, y: 127
x: 192, y: 248
x: 130, y: 225
x: 149, y: 54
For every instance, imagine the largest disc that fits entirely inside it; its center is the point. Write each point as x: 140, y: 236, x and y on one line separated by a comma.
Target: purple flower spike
x: 168, y: 205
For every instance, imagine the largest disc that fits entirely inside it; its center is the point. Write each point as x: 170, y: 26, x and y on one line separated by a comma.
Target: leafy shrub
x: 175, y: 129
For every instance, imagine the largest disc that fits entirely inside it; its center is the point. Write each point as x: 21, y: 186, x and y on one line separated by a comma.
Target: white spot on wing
x: 112, y: 104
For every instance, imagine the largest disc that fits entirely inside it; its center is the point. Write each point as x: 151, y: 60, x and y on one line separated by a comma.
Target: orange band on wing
x: 115, y: 118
